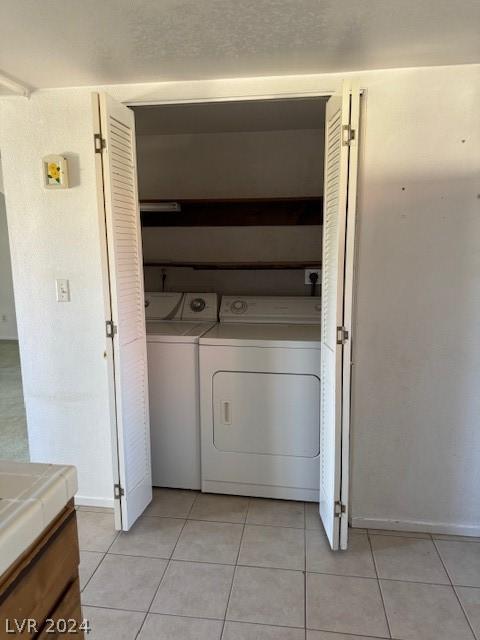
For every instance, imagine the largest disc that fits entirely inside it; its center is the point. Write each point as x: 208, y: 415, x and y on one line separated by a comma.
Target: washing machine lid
x: 271, y: 309
x: 176, y: 331
x: 293, y: 336
x: 163, y: 305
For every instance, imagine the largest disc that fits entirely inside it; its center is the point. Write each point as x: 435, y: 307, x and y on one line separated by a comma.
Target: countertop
x: 31, y: 496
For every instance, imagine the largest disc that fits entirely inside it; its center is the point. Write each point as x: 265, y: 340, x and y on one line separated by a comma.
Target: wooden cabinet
x: 43, y: 585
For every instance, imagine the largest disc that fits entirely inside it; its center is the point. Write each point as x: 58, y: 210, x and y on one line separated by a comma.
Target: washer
x: 260, y: 398
x: 175, y: 322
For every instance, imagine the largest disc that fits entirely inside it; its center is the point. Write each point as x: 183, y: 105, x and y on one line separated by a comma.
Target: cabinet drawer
x: 68, y: 613
x: 52, y: 566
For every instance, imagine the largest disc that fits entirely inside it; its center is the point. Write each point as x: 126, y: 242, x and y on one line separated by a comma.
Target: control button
x: 197, y: 305
x: 238, y: 306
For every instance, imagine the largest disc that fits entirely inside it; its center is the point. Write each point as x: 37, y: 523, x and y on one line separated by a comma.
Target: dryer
x: 260, y: 398
x: 174, y: 323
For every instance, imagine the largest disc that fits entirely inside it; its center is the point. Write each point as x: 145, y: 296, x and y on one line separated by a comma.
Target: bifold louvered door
x: 341, y: 144
x: 125, y: 265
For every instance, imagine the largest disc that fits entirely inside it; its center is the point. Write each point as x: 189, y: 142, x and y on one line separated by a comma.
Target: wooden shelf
x: 246, y: 266
x: 238, y: 212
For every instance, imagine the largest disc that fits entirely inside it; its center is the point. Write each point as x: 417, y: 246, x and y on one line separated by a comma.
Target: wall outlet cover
x: 309, y: 271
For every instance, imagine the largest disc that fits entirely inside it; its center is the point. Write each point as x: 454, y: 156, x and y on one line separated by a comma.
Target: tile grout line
x: 362, y: 636
x: 94, y: 571
x: 453, y: 586
x: 102, y: 606
x: 392, y: 533
x: 181, y: 615
x: 252, y: 524
x: 439, y: 555
x: 261, y: 566
x: 350, y: 575
x: 235, y: 570
x: 103, y: 557
x: 187, y: 617
x: 164, y: 571
x: 418, y: 535
x: 275, y: 626
x: 192, y: 505
x: 379, y: 586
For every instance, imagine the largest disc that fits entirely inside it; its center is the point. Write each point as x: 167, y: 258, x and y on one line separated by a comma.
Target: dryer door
x: 266, y: 413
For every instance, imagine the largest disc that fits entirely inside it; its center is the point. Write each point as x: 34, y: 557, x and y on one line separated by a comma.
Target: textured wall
x: 234, y: 164
x: 222, y: 165
x: 416, y: 400
x: 55, y: 234
x: 415, y: 436
x: 225, y: 244
x: 8, y: 325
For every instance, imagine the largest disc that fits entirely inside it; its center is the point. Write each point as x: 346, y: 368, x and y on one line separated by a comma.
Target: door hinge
x: 99, y: 143
x: 110, y: 328
x: 340, y: 509
x: 348, y: 135
x: 342, y: 335
x: 118, y: 492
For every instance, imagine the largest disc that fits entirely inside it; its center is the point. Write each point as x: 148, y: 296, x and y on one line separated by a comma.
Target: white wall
x: 232, y: 244
x: 55, y: 234
x: 247, y: 164
x: 416, y: 399
x: 415, y: 436
x: 8, y: 325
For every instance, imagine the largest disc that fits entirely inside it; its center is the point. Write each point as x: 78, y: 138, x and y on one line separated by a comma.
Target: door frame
x: 351, y: 267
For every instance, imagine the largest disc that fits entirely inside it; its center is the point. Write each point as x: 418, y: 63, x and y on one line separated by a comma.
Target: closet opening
x: 231, y: 211
x: 231, y: 195
x: 245, y: 356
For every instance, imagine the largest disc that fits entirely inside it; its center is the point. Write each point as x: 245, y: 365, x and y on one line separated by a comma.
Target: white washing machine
x: 175, y: 322
x: 260, y: 398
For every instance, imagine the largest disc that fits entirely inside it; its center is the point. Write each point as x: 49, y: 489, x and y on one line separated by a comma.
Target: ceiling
x: 52, y: 44
x: 215, y: 117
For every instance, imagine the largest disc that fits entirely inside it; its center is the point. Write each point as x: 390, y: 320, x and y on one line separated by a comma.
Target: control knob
x: 238, y: 306
x: 197, y: 305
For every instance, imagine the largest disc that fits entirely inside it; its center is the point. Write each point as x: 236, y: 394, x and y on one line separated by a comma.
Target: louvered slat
x: 336, y: 167
x: 125, y: 256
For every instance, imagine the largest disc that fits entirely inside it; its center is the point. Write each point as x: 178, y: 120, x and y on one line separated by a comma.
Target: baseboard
x: 416, y: 525
x: 259, y: 490
x: 87, y: 501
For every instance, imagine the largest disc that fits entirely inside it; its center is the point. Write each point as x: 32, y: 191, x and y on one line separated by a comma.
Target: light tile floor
x: 207, y: 567
x: 13, y: 422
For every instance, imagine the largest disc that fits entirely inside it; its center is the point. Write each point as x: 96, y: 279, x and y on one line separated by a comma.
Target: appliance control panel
x: 163, y: 305
x: 271, y: 309
x: 200, y: 306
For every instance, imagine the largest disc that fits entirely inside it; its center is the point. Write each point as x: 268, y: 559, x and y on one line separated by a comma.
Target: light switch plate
x: 63, y: 290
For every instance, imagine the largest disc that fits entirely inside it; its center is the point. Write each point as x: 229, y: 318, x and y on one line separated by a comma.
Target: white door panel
x: 125, y: 266
x: 339, y: 210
